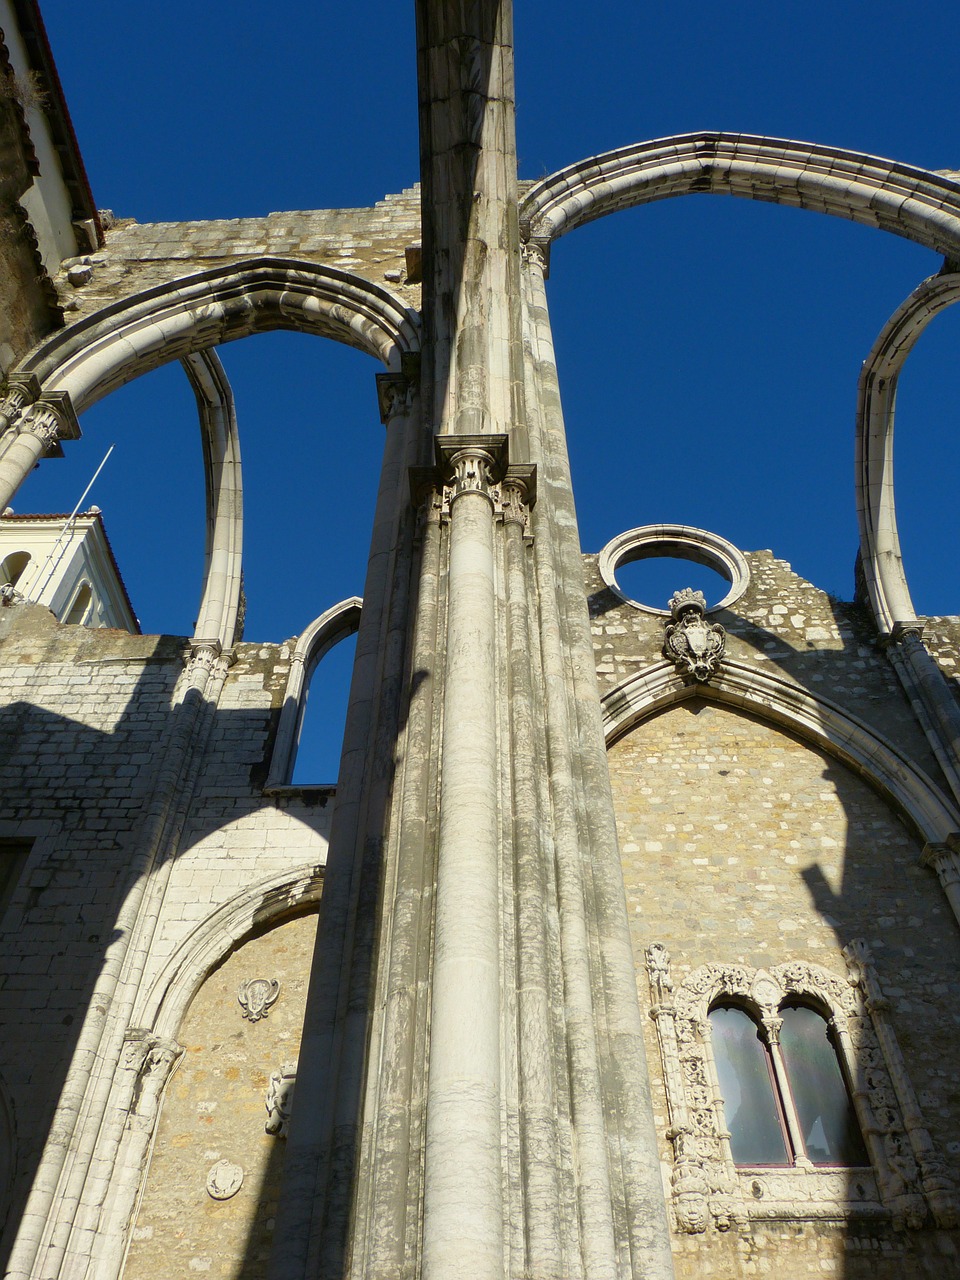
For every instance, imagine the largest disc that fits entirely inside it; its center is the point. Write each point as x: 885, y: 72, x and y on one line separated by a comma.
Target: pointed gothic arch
x: 883, y: 569
x: 908, y: 201
x: 817, y: 720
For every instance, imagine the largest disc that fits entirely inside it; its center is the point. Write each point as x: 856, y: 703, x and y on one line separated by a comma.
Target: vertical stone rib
x: 390, y: 1168
x: 622, y: 1210
x: 539, y: 1152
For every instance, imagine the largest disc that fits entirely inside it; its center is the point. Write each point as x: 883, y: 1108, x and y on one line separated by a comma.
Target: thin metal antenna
x: 38, y: 586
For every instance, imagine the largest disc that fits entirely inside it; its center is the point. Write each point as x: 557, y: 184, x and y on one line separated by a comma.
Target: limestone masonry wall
x: 85, y: 731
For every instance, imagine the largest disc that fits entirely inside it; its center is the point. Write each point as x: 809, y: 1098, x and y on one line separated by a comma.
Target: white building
x: 67, y: 564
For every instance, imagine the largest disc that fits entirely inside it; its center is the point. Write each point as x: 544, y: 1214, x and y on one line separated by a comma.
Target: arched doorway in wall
x: 210, y: 1192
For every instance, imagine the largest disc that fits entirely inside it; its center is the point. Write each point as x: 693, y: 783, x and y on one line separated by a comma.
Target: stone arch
x: 222, y: 578
x: 785, y: 705
x: 97, y: 354
x: 320, y: 636
x: 260, y: 906
x: 915, y: 203
x: 876, y: 502
x: 76, y: 366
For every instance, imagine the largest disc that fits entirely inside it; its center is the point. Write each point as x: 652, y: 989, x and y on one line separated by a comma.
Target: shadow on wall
x: 110, y: 801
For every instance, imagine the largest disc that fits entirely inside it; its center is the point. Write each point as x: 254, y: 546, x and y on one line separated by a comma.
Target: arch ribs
x: 907, y: 201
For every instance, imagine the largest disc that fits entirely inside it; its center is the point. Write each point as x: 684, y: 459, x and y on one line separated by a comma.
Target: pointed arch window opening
x: 785, y: 1096
x: 329, y: 629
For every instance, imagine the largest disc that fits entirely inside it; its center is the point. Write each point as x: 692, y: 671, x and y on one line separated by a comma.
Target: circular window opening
x: 653, y: 580
x: 645, y: 566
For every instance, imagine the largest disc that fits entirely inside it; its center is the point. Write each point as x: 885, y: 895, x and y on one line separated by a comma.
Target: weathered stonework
x: 214, y: 1111
x: 548, y: 826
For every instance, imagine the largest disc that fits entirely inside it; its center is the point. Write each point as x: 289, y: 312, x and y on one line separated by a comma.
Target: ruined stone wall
x: 136, y: 256
x: 215, y: 1110
x: 786, y: 626
x: 85, y: 745
x: 743, y: 845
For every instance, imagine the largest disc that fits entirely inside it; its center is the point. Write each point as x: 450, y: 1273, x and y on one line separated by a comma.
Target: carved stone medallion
x: 694, y: 644
x: 224, y: 1180
x: 256, y: 996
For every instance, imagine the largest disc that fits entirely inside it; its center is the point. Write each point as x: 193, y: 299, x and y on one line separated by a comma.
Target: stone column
x: 463, y: 1234
x: 620, y: 1201
x: 40, y: 428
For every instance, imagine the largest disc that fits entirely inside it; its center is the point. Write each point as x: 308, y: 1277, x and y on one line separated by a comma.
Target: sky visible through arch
x: 708, y: 347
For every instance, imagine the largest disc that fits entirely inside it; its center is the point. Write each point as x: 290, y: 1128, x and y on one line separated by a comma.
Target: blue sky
x: 708, y: 347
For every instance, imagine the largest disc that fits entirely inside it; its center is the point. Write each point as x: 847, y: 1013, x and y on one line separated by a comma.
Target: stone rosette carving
x: 279, y: 1100
x: 257, y: 996
x: 224, y: 1180
x: 695, y: 645
x: 907, y: 1179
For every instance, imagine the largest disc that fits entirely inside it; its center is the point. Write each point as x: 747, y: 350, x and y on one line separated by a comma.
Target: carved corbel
x: 50, y: 419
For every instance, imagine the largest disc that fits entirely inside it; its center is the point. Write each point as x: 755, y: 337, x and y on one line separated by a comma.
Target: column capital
x: 474, y: 464
x: 944, y: 859
x: 902, y: 631
x: 50, y: 419
x: 471, y: 463
x: 394, y: 395
x: 17, y: 393
x: 536, y: 253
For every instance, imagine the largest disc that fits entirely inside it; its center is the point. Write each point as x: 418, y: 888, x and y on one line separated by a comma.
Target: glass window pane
x: 756, y: 1134
x: 827, y: 1119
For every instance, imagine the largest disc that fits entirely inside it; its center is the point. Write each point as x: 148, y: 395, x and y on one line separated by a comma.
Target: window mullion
x: 771, y: 1027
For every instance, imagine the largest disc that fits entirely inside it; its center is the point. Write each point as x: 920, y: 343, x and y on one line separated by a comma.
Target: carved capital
x: 536, y: 253
x: 474, y: 464
x: 944, y: 860
x: 517, y: 493
x: 695, y: 645
x: 395, y: 393
x: 17, y: 393
x: 471, y: 464
x: 50, y: 419
x: 909, y: 632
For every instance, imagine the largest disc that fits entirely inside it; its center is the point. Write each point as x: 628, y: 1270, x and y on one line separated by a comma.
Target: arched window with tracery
x: 788, y: 1097
x: 784, y: 1095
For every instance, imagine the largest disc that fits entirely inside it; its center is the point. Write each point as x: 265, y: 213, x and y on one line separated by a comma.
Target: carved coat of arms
x: 256, y: 995
x: 694, y: 644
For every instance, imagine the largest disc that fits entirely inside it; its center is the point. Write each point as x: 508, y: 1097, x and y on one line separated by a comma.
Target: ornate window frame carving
x: 906, y: 1180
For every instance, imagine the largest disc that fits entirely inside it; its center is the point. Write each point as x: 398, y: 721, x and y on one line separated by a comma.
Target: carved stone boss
x: 257, y: 996
x: 695, y: 645
x: 706, y: 1184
